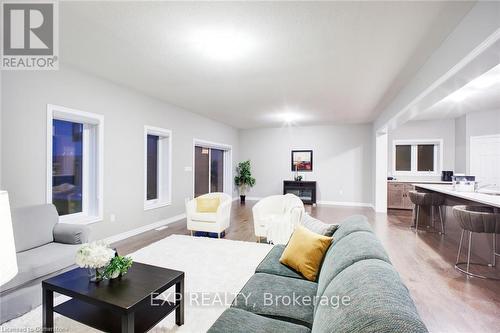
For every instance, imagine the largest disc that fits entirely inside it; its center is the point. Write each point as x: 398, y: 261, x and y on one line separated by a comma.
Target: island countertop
x: 485, y: 199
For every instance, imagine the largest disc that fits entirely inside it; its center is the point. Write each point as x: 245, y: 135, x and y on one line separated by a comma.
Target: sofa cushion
x: 204, y: 217
x: 41, y: 261
x: 317, y: 226
x: 271, y: 264
x: 352, y: 224
x: 377, y: 301
x: 305, y: 252
x: 350, y: 249
x: 235, y: 320
x: 33, y: 226
x: 273, y: 296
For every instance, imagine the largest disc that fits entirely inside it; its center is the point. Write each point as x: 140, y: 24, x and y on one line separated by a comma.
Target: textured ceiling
x: 323, y: 62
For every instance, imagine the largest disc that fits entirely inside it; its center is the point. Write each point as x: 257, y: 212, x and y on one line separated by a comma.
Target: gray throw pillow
x: 318, y: 227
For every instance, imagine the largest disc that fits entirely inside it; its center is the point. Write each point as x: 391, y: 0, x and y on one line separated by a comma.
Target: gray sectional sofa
x: 358, y: 290
x: 44, y: 248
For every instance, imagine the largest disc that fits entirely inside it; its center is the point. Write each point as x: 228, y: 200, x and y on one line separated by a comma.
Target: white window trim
x: 161, y: 201
x: 68, y: 114
x: 438, y: 157
x: 228, y: 163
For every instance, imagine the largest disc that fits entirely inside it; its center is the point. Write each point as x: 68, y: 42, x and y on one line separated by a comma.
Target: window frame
x: 93, y: 142
x: 164, y: 199
x: 438, y: 157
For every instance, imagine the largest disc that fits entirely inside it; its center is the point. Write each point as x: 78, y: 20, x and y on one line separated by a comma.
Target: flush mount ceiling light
x: 222, y: 44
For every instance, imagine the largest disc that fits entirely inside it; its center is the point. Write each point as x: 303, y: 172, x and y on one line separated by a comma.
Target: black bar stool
x: 427, y: 199
x: 477, y: 219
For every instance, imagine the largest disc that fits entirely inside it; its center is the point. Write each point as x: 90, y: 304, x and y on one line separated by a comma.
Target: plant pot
x: 242, y: 199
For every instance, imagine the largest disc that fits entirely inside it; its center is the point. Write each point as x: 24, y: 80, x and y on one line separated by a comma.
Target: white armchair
x: 209, y: 222
x: 286, y: 210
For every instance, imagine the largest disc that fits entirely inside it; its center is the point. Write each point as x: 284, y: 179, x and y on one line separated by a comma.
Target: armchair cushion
x: 71, y: 233
x: 204, y: 217
x: 207, y: 205
x: 33, y: 226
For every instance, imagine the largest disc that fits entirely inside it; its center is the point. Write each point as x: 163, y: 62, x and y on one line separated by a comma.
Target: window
x: 74, y: 164
x: 423, y: 157
x: 157, y: 166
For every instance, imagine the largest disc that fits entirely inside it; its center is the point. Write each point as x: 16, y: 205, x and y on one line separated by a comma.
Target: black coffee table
x: 127, y: 304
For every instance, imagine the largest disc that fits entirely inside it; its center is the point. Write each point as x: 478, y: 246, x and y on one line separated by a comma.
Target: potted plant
x: 243, y: 179
x: 118, y: 266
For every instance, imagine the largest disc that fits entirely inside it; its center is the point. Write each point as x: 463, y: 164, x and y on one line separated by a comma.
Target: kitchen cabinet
x: 398, y: 197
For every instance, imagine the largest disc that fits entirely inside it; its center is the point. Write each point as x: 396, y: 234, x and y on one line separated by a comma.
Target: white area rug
x: 215, y: 271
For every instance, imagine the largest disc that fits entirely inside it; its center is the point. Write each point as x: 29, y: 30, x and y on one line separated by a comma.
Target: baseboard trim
x: 345, y: 203
x: 253, y: 198
x: 136, y: 231
x: 329, y: 203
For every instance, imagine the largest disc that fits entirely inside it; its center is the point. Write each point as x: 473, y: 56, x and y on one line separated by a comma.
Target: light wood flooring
x: 446, y: 300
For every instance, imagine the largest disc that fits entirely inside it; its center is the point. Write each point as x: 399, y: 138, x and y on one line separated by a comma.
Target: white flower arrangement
x: 94, y: 255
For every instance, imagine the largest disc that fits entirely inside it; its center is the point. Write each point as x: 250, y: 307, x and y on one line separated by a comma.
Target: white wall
x: 25, y: 96
x: 461, y: 144
x: 342, y: 160
x: 426, y: 129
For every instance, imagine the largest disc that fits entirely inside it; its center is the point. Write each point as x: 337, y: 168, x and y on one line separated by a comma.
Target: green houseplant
x: 118, y: 266
x: 243, y: 179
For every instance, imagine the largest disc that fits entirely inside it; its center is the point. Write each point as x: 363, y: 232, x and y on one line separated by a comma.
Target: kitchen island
x: 482, y: 198
x: 482, y: 245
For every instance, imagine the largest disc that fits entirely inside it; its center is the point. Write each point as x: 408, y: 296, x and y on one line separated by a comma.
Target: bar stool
x: 477, y: 219
x: 427, y: 199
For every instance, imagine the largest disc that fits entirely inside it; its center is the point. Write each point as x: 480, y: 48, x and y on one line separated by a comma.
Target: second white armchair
x: 276, y: 217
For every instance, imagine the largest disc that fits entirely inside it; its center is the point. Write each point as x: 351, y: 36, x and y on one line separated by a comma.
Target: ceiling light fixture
x: 222, y: 44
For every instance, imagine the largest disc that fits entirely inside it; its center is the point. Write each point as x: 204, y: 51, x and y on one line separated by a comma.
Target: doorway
x: 212, y: 168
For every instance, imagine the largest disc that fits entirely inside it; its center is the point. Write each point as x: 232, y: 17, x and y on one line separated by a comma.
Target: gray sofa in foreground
x: 44, y: 248
x: 358, y: 290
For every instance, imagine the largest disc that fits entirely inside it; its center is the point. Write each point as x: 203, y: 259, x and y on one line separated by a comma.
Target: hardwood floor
x: 446, y: 300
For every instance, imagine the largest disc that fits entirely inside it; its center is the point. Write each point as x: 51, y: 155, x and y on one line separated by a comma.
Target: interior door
x: 216, y: 170
x: 485, y: 159
x: 201, y: 170
x: 209, y: 170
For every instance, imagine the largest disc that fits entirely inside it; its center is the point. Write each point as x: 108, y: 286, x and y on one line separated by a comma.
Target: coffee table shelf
x: 108, y: 321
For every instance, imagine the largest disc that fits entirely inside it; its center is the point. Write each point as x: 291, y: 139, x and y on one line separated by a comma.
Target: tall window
x: 418, y: 157
x: 74, y: 164
x: 67, y: 166
x: 157, y: 146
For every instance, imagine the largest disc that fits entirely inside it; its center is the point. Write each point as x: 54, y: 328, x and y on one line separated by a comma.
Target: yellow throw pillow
x: 207, y: 205
x: 305, y: 251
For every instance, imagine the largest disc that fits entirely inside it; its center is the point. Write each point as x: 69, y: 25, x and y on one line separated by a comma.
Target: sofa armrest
x: 71, y: 233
